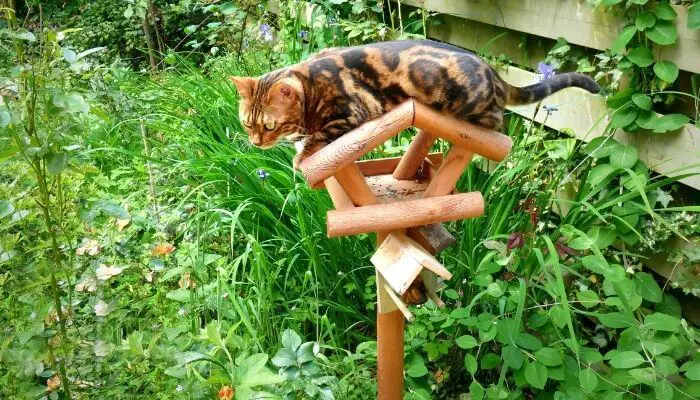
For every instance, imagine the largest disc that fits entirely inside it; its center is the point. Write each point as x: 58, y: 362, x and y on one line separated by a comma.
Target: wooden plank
x: 434, y: 237
x: 416, y: 153
x: 383, y: 166
x: 356, y: 143
x: 388, y: 217
x: 396, y: 262
x: 486, y: 142
x: 574, y: 20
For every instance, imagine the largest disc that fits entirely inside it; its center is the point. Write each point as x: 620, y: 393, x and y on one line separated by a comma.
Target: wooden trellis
x: 386, y: 196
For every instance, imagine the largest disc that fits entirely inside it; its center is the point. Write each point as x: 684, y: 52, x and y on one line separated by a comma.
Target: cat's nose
x: 256, y: 140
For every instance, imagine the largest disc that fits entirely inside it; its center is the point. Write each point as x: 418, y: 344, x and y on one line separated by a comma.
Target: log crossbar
x: 350, y: 147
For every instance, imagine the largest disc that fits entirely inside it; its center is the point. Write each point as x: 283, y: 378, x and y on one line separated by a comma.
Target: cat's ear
x: 245, y: 85
x: 285, y: 93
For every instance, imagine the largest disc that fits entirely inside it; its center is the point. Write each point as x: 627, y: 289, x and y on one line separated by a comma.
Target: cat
x: 338, y: 89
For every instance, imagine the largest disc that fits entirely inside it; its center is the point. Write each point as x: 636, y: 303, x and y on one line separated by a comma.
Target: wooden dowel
x: 415, y: 155
x: 383, y: 166
x: 449, y: 172
x: 405, y: 214
x: 356, y: 143
x: 353, y: 183
x: 341, y: 201
x: 489, y: 143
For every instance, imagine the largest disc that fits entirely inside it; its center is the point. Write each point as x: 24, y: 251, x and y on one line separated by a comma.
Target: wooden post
x: 390, y: 355
x: 415, y: 155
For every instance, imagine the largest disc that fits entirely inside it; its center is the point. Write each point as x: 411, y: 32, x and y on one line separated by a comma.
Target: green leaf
x: 588, y: 380
x: 624, y: 156
x: 694, y: 16
x: 600, y: 147
x: 181, y: 295
x: 669, y: 123
x: 663, y: 33
x: 470, y: 363
x: 645, y: 20
x: 227, y: 8
x: 623, y: 116
x: 536, y: 374
x: 252, y: 372
x: 621, y: 42
x: 693, y: 372
x: 599, y: 174
x: 643, y: 375
x: 639, y: 2
x: 466, y: 342
x: 56, y: 162
x: 291, y: 340
x: 5, y: 119
x: 284, y: 358
x: 641, y: 56
x: 527, y: 341
x: 615, y: 273
x: 626, y: 359
x: 655, y: 348
x: 663, y: 390
x: 588, y: 298
x: 549, y: 356
x: 662, y: 322
x: 611, y: 2
x: 666, y: 70
x: 476, y: 391
x: 642, y: 101
x: 648, y: 287
x: 416, y: 367
x: 513, y: 356
x: 490, y: 361
x: 616, y: 320
x: 664, y: 11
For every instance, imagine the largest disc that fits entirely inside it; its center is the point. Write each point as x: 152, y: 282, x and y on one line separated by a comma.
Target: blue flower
x: 266, y: 32
x: 262, y: 174
x: 303, y: 34
x: 550, y: 109
x: 546, y: 71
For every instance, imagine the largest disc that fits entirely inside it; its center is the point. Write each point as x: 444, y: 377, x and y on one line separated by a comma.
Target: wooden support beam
x: 341, y: 201
x: 350, y: 147
x: 390, y: 327
x: 405, y: 214
x: 489, y: 143
x: 383, y: 166
x: 449, y: 173
x: 431, y: 287
x: 389, y: 188
x: 413, y: 159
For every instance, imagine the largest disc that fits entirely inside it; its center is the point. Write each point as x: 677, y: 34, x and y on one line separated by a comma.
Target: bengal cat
x: 338, y: 89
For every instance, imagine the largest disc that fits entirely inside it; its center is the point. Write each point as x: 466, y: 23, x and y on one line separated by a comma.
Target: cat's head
x: 270, y: 109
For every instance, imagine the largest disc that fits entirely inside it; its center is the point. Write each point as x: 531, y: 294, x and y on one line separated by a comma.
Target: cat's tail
x: 538, y: 91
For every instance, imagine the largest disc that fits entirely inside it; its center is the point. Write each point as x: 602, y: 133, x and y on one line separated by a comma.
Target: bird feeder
x: 404, y: 200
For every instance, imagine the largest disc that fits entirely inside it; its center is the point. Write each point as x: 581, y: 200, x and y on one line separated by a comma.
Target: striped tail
x: 538, y: 91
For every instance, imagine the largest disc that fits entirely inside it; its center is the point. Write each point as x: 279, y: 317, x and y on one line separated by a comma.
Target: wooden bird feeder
x: 385, y: 196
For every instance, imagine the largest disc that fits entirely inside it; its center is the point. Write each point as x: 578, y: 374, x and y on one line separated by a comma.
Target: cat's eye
x: 270, y: 125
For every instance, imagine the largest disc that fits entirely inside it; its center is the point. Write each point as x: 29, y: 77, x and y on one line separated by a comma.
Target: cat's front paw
x: 296, y: 162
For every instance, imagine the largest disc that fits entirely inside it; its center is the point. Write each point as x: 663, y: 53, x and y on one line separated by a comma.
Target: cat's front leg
x: 305, y: 148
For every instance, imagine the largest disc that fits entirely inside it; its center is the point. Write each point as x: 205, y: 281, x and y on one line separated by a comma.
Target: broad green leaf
x: 6, y: 208
x: 663, y: 33
x: 466, y: 342
x: 666, y: 70
x: 536, y: 374
x: 643, y: 375
x: 600, y: 147
x: 599, y: 174
x: 693, y: 372
x: 623, y: 156
x: 623, y: 116
x: 527, y: 341
x: 513, y: 356
x: 470, y: 363
x: 664, y: 11
x: 56, y: 162
x: 591, y: 356
x: 621, y: 42
x: 490, y: 361
x: 187, y: 357
x: 476, y: 391
x: 663, y: 390
x: 645, y: 20
x: 615, y: 273
x: 588, y: 298
x: 291, y: 340
x: 616, y: 320
x: 665, y: 366
x: 181, y: 295
x: 694, y: 16
x: 611, y: 2
x: 655, y: 348
x: 641, y: 56
x: 284, y: 358
x: 626, y: 359
x: 642, y: 101
x: 5, y: 119
x: 670, y: 122
x: 494, y: 289
x: 662, y: 322
x: 588, y: 379
x: 648, y: 287
x: 549, y: 356
x: 252, y: 372
x: 227, y: 8
x: 416, y: 367
x: 595, y: 263
x: 639, y: 2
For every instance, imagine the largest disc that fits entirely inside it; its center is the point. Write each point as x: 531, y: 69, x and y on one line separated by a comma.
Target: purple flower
x: 262, y: 174
x: 546, y: 71
x: 550, y: 109
x: 303, y: 34
x: 266, y: 32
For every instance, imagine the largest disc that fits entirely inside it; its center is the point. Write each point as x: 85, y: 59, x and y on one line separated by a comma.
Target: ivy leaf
x: 56, y: 162
x: 694, y: 16
x: 641, y: 56
x: 588, y: 379
x: 666, y: 70
x: 663, y: 33
x: 624, y: 156
x: 642, y: 101
x: 549, y: 356
x: 620, y: 43
x: 623, y: 116
x: 668, y: 123
x: 662, y: 322
x: 645, y: 20
x: 466, y: 342
x: 664, y: 11
x: 648, y: 287
x: 663, y: 390
x: 536, y: 374
x: 626, y: 359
